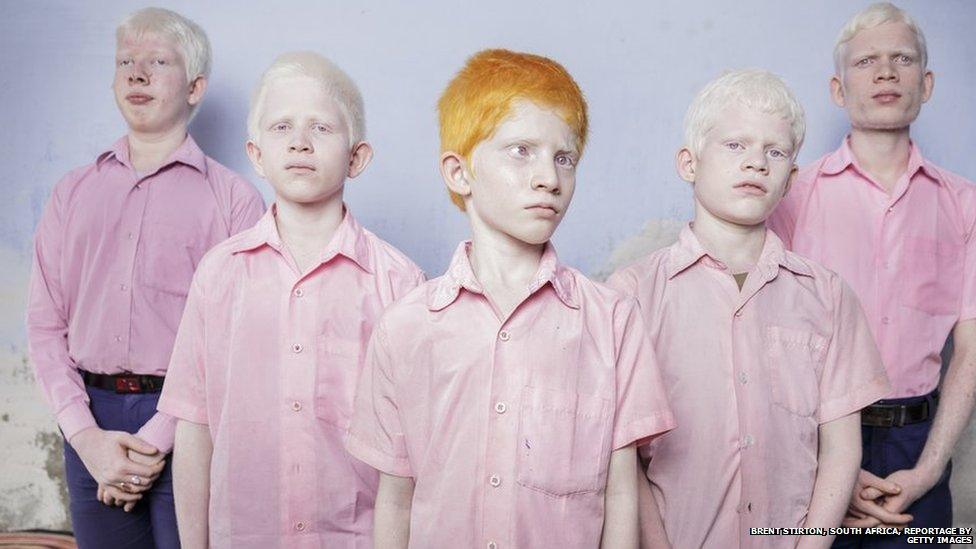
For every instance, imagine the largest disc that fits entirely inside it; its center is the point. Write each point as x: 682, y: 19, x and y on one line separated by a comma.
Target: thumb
x: 872, y: 481
x: 133, y: 442
x: 871, y: 493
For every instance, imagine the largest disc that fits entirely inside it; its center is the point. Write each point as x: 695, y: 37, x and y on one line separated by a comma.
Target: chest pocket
x: 795, y: 359
x: 338, y: 363
x: 936, y: 275
x: 169, y: 256
x: 563, y: 441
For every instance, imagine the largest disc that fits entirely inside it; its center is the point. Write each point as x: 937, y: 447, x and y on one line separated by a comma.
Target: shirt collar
x: 460, y: 275
x: 349, y: 239
x: 689, y: 251
x: 843, y: 158
x: 188, y: 153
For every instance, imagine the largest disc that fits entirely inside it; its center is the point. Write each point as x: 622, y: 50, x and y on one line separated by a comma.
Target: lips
x: 753, y: 188
x: 544, y: 209
x: 138, y: 98
x: 886, y: 96
x: 300, y: 167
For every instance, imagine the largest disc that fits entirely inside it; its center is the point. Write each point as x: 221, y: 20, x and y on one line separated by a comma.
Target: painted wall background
x: 639, y: 64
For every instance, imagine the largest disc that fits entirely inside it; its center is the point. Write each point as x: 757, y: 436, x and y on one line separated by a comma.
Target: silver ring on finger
x: 123, y: 485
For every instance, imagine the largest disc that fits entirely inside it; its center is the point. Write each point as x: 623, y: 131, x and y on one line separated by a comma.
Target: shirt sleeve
x: 968, y: 310
x: 376, y: 432
x: 246, y: 209
x: 184, y: 393
x: 47, y: 323
x: 159, y: 431
x: 853, y: 375
x: 642, y: 408
x: 623, y: 280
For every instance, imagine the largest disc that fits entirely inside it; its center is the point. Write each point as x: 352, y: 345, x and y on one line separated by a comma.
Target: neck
x: 308, y: 226
x: 499, y: 260
x: 148, y: 151
x: 738, y: 246
x: 882, y: 153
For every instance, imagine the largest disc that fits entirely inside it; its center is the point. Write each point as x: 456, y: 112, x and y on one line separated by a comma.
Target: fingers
x: 871, y: 493
x: 870, y: 480
x: 137, y: 473
x: 133, y: 442
x: 873, y: 509
x: 862, y: 522
x: 144, y: 459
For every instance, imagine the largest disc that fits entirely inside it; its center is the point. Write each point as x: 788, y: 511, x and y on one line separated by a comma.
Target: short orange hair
x: 480, y: 96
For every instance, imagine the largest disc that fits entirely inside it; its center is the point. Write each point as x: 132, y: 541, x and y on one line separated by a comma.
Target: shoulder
x: 225, y: 179
x: 388, y: 259
x: 639, y: 274
x: 223, y: 257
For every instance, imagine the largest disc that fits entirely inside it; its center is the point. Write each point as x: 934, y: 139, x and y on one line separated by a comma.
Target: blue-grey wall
x: 638, y: 62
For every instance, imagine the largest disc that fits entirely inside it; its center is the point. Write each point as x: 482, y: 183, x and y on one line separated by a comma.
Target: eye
x: 777, y: 154
x: 734, y: 146
x: 124, y: 62
x: 863, y: 62
x: 159, y: 61
x: 321, y: 128
x: 565, y: 160
x: 903, y: 59
x: 520, y: 150
x: 280, y: 127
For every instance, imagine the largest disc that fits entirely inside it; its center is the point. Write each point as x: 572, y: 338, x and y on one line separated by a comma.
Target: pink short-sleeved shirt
x: 114, y: 253
x: 507, y: 424
x: 909, y: 256
x: 268, y: 358
x: 751, y: 375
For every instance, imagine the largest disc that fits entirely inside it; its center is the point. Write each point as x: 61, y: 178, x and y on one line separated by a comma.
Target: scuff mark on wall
x: 52, y: 444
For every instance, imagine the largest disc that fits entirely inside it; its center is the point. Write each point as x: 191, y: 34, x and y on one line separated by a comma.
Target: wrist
x: 82, y: 436
x: 928, y: 474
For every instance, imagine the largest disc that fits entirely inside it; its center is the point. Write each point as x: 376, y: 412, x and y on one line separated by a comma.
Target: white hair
x: 190, y: 39
x: 337, y: 84
x: 754, y: 88
x: 873, y: 16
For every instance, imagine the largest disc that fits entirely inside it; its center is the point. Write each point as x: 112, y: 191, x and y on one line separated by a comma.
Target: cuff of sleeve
x: 377, y: 460
x: 74, y: 418
x: 643, y: 430
x: 968, y: 314
x: 855, y: 399
x: 159, y: 431
x: 181, y: 410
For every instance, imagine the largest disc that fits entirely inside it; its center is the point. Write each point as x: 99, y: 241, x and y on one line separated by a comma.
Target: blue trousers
x: 890, y: 449
x: 152, y: 523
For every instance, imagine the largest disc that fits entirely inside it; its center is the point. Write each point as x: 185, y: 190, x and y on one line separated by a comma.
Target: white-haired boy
x: 269, y: 350
x: 115, y: 250
x: 766, y: 355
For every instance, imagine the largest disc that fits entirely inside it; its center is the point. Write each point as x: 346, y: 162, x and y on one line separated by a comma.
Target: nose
x: 756, y: 161
x: 887, y: 72
x: 300, y: 142
x: 138, y: 74
x: 545, y: 178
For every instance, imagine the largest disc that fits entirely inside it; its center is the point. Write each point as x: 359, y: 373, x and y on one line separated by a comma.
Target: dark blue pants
x: 890, y: 449
x: 152, y: 522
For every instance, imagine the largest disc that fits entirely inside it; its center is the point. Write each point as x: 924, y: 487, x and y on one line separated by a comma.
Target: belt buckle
x: 901, y: 413
x: 127, y: 384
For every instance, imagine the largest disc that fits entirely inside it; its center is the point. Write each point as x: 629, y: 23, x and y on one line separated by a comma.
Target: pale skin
x: 744, y: 150
x: 155, y: 99
x: 882, y: 85
x: 516, y: 185
x: 303, y: 149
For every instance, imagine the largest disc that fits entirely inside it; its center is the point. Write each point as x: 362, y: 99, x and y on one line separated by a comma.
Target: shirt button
x: 738, y: 313
x: 297, y: 348
x: 492, y: 545
x: 743, y: 378
x: 138, y: 186
x: 495, y: 481
x: 299, y: 292
x: 747, y: 441
x: 886, y: 320
x: 118, y: 338
x: 887, y: 264
x: 500, y: 407
x: 504, y: 335
x: 130, y: 236
x: 123, y: 287
x: 300, y: 526
x: 297, y: 406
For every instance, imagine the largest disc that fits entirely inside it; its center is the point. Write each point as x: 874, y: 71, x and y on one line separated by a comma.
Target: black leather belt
x: 124, y: 383
x: 895, y: 415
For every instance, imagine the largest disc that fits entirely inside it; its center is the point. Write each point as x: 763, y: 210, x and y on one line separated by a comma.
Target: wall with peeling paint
x: 638, y: 62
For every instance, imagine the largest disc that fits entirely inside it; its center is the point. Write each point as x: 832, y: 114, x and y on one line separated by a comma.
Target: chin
x: 534, y: 237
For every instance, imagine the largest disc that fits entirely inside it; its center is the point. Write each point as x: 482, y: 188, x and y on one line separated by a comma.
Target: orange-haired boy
x: 502, y: 401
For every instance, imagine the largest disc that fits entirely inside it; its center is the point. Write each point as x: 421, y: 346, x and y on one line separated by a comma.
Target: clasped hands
x: 881, y: 502
x: 122, y: 464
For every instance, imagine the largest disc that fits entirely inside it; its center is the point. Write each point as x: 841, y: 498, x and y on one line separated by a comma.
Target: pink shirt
x: 910, y: 256
x: 751, y: 375
x: 268, y: 357
x: 113, y: 257
x: 507, y: 424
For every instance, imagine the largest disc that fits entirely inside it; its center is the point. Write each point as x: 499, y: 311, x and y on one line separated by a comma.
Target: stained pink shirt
x: 268, y: 357
x: 113, y: 257
x: 751, y: 376
x: 507, y: 424
x: 910, y: 256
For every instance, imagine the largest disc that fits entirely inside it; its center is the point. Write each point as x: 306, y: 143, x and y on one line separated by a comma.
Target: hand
x: 105, y: 455
x: 914, y: 483
x: 150, y: 460
x: 866, y: 508
x: 113, y: 495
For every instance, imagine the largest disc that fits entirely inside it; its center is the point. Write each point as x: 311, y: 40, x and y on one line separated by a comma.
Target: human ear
x: 455, y: 173
x: 837, y: 91
x: 197, y: 88
x: 360, y: 157
x: 254, y: 154
x: 685, y: 163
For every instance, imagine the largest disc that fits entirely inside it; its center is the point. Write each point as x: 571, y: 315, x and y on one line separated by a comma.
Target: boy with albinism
x: 767, y: 356
x: 269, y: 350
x: 502, y: 401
